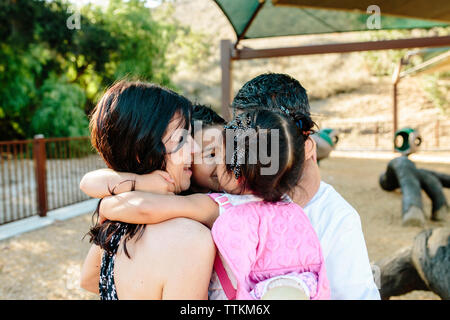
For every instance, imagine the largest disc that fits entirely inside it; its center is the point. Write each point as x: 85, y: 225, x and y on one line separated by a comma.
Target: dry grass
x: 45, y: 264
x: 322, y: 75
x: 339, y: 86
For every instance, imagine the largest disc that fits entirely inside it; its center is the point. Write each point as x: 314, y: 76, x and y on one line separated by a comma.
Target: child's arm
x: 100, y: 183
x: 146, y: 208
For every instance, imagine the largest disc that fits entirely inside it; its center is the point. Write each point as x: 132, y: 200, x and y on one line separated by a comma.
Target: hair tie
x: 240, y: 125
x: 299, y: 124
x: 285, y: 111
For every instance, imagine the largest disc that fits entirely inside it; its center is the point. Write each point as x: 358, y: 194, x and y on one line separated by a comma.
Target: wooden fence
x: 43, y: 174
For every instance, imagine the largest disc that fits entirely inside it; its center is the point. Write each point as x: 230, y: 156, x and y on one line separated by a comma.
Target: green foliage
x: 193, y: 49
x: 51, y: 77
x: 383, y: 62
x: 61, y: 113
x: 18, y: 72
x: 437, y: 89
x: 142, y: 42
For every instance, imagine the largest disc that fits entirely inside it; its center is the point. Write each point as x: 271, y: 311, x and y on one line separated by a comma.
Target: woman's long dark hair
x: 127, y: 127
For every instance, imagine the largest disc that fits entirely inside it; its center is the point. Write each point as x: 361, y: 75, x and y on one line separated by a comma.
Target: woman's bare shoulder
x: 178, y: 233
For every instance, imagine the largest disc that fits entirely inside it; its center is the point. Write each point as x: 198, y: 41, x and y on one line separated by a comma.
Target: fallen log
x: 423, y: 266
x: 431, y: 258
x: 398, y: 275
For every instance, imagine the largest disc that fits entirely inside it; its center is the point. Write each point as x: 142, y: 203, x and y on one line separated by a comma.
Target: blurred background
x: 58, y: 57
x: 48, y: 69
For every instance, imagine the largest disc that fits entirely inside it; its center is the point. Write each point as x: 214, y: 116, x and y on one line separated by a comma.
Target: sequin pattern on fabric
x: 107, y: 287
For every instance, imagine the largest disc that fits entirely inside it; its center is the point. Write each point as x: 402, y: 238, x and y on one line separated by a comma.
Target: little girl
x: 259, y: 232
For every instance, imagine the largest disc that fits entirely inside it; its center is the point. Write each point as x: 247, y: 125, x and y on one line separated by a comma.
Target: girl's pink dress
x: 259, y: 240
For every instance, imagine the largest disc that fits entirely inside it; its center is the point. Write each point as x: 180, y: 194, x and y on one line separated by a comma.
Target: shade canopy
x: 270, y: 18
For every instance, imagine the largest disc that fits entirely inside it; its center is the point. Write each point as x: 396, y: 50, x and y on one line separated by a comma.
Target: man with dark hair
x: 206, y: 115
x: 335, y: 221
x: 273, y: 90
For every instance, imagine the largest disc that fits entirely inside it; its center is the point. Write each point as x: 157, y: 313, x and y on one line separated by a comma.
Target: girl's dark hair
x: 206, y: 115
x: 127, y: 127
x: 291, y: 152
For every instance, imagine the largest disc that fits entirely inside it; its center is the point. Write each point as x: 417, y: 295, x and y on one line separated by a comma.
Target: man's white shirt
x: 338, y: 227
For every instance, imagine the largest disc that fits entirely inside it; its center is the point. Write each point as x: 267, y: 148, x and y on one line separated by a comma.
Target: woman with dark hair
x: 259, y: 231
x: 141, y: 128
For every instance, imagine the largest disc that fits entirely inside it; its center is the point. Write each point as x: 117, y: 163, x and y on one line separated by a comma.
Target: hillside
x: 340, y: 86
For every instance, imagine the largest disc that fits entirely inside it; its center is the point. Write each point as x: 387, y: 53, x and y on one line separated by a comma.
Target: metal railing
x: 378, y: 135
x: 42, y: 174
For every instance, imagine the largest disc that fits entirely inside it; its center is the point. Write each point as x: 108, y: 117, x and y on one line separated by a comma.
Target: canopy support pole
x: 227, y: 67
x: 395, y: 81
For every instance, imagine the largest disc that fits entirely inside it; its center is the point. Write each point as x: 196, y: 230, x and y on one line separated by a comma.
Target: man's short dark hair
x: 272, y: 90
x: 207, y: 115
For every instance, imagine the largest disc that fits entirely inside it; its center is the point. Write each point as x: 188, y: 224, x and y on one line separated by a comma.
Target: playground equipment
x: 407, y: 141
x: 326, y: 140
x: 423, y: 266
x: 402, y: 173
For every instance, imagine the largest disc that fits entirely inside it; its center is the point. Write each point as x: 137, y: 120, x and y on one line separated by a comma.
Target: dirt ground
x: 380, y: 211
x: 45, y: 264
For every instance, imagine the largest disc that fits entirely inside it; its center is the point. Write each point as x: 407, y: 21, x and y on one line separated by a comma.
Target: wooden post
x: 40, y: 157
x: 396, y: 80
x: 395, y: 109
x: 437, y: 133
x: 226, y: 65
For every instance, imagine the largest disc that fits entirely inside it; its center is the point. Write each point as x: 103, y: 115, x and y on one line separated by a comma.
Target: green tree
x: 51, y: 77
x: 61, y: 114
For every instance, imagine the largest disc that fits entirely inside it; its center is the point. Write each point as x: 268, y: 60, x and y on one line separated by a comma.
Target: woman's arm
x: 146, y: 208
x: 100, y: 183
x: 90, y: 272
